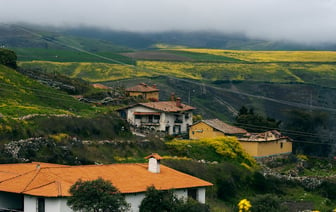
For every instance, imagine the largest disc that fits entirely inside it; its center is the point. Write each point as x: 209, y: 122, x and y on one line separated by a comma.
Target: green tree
x: 8, y: 58
x: 96, y: 195
x: 254, y: 122
x: 166, y: 201
x: 159, y: 200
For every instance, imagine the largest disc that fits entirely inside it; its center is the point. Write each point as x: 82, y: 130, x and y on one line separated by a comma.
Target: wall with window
x: 267, y: 148
x: 202, y: 130
x: 41, y: 204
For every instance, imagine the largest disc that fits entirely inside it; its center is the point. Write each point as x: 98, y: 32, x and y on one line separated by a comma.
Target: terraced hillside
x: 22, y: 96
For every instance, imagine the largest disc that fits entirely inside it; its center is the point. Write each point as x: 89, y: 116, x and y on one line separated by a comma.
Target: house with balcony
x: 45, y: 187
x: 172, y: 117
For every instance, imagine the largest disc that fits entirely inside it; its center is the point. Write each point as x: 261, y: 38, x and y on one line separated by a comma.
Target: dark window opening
x: 281, y: 145
x: 192, y: 193
x: 40, y: 205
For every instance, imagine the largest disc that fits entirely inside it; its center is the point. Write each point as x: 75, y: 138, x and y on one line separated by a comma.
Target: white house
x: 45, y: 187
x: 172, y: 117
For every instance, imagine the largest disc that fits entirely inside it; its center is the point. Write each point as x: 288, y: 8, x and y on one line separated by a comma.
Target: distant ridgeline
x: 8, y: 58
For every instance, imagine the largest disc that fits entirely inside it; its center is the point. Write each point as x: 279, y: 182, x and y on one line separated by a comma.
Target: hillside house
x: 145, y: 91
x: 212, y: 128
x: 45, y: 187
x: 172, y: 117
x: 270, y: 143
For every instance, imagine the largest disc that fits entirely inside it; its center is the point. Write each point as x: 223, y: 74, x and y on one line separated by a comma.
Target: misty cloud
x: 305, y: 21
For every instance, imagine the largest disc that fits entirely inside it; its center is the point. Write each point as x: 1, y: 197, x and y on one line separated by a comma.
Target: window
x: 192, y: 193
x: 40, y: 204
x: 281, y: 145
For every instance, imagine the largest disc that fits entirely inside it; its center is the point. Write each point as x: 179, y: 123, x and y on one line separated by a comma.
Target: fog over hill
x: 308, y: 22
x: 33, y: 36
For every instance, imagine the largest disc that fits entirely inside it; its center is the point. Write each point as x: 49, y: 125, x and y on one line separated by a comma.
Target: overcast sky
x: 307, y: 21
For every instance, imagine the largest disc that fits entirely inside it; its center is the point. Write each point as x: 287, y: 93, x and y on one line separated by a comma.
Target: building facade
x: 45, y: 187
x: 266, y: 144
x: 172, y: 117
x: 145, y: 91
x: 212, y: 128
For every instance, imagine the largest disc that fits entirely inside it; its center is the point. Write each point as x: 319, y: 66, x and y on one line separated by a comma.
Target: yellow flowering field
x: 270, y: 56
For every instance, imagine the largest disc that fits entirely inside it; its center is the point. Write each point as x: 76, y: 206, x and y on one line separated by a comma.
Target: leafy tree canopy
x: 253, y: 122
x: 8, y: 58
x: 96, y: 195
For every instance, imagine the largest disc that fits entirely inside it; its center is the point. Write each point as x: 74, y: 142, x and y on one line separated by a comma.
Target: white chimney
x: 154, y: 162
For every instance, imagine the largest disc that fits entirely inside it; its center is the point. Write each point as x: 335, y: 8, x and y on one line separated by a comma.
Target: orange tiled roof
x: 142, y: 87
x: 52, y: 180
x: 224, y: 127
x: 100, y: 86
x: 167, y: 106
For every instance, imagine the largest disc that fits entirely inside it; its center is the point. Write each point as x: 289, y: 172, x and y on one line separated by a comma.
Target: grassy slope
x: 312, y: 67
x: 22, y: 96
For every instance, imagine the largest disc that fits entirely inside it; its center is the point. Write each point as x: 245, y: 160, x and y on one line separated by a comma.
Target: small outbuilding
x: 148, y: 92
x: 266, y: 144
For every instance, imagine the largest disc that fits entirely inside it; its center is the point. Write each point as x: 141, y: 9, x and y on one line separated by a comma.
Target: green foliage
x: 8, y: 58
x: 252, y: 122
x: 267, y: 202
x: 21, y: 96
x: 72, y: 86
x: 159, y: 200
x: 328, y: 189
x: 166, y: 201
x: 309, y: 123
x: 213, y: 149
x: 191, y: 205
x: 99, y: 126
x: 96, y: 195
x: 229, y: 179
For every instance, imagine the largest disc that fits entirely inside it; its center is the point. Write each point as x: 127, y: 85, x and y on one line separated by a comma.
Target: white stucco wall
x: 11, y: 200
x: 59, y: 204
x: 134, y: 200
x: 30, y: 203
x: 51, y: 204
x: 56, y: 205
x: 201, y: 195
x: 182, y: 193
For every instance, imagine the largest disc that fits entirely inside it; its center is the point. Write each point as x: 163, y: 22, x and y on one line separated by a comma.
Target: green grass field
x: 21, y: 96
x: 316, y: 73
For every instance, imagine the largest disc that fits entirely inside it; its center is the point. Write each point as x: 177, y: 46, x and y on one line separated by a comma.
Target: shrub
x: 96, y: 195
x: 167, y: 201
x: 267, y: 202
x: 213, y: 149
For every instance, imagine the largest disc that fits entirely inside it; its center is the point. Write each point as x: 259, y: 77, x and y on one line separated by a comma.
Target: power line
x: 72, y: 47
x: 295, y: 104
